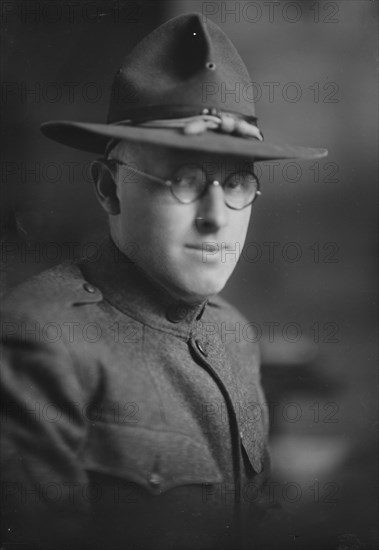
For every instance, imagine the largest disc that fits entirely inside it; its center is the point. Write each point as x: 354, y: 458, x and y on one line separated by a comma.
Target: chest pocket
x: 155, y: 460
x: 253, y: 445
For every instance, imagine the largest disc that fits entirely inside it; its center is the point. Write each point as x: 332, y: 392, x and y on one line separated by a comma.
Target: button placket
x: 206, y: 355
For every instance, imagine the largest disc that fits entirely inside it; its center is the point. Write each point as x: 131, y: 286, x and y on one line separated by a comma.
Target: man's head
x: 169, y: 96
x: 190, y: 249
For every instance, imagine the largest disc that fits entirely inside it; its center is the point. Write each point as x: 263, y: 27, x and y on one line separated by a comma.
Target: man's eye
x: 241, y: 182
x: 184, y: 181
x: 188, y: 177
x: 235, y: 183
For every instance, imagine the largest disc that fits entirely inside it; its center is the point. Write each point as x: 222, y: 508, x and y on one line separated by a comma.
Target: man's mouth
x: 210, y: 247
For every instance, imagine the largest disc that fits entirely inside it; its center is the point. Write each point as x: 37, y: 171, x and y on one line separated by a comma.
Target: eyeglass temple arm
x: 168, y: 183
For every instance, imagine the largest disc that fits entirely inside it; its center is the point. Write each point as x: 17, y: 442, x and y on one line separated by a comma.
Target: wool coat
x: 130, y: 419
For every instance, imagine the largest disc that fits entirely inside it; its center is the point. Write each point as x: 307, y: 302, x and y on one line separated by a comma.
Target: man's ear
x: 105, y: 187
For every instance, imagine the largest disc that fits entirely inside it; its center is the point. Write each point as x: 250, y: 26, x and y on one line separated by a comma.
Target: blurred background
x: 307, y: 278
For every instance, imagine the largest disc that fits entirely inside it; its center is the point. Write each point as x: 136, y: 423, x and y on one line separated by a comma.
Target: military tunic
x: 130, y: 419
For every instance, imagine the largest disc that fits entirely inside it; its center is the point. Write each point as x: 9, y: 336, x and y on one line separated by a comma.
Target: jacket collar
x: 127, y: 288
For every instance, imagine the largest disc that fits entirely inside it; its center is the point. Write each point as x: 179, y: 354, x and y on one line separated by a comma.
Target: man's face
x: 189, y: 249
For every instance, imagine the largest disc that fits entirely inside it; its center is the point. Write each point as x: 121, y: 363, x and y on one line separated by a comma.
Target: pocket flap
x: 254, y: 447
x: 253, y: 433
x: 156, y: 460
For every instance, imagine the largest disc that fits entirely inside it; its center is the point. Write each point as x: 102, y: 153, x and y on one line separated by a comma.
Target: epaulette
x: 61, y: 286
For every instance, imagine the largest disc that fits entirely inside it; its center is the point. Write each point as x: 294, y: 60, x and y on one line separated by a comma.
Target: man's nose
x: 212, y: 211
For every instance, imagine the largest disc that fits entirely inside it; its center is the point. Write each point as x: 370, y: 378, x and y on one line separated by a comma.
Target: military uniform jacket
x: 130, y: 420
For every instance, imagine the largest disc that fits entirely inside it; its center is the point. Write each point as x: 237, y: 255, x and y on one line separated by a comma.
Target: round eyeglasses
x: 189, y: 183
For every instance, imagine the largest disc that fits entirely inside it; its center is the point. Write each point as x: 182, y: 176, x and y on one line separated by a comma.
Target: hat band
x: 138, y: 115
x: 226, y: 123
x: 198, y: 124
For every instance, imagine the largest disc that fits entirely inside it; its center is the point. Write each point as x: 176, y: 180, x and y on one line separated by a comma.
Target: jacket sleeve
x: 43, y: 485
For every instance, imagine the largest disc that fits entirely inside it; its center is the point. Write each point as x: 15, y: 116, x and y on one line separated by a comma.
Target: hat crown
x: 183, y: 66
x: 177, y: 88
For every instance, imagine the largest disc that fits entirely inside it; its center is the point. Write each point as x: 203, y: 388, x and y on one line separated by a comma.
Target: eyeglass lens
x: 190, y: 182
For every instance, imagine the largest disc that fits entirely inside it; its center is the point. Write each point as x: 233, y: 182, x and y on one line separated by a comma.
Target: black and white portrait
x: 188, y: 284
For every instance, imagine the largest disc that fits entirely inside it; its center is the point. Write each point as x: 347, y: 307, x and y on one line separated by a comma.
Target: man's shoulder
x: 50, y: 292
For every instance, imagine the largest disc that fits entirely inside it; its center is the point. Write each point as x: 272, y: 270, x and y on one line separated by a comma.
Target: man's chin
x: 198, y: 290
x: 193, y: 284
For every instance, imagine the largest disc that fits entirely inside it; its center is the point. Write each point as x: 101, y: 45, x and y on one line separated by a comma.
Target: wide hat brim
x: 95, y: 137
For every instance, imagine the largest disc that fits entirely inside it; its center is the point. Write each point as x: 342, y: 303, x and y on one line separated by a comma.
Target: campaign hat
x: 183, y: 86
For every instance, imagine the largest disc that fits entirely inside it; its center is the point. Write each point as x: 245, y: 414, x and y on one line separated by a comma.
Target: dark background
x: 317, y: 287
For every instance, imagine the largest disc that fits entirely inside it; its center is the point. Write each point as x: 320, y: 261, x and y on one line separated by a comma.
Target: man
x: 135, y: 418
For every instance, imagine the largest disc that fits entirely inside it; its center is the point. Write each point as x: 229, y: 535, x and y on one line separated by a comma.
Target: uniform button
x: 175, y: 314
x: 241, y: 435
x: 200, y: 347
x: 89, y: 288
x: 155, y: 480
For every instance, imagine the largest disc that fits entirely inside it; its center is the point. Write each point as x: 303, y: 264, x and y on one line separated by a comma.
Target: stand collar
x: 126, y: 287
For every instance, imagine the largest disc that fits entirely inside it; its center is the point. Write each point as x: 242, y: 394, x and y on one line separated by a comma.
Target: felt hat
x: 183, y: 86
